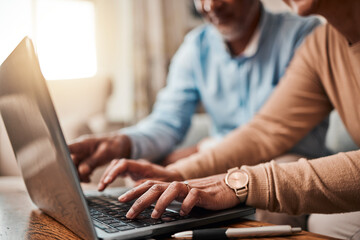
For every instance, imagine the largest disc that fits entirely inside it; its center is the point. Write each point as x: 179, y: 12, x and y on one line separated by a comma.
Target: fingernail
x: 107, y: 179
x: 130, y: 213
x: 122, y: 197
x: 155, y: 214
x: 182, y: 213
x: 100, y: 186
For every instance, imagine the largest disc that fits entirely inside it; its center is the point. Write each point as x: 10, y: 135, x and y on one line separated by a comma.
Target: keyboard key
x: 111, y: 230
x: 103, y: 218
x: 124, y: 228
x: 118, y: 224
x: 110, y: 213
x: 100, y: 225
x: 110, y: 221
x: 138, y: 224
x: 153, y: 221
x: 168, y: 219
x: 141, y: 217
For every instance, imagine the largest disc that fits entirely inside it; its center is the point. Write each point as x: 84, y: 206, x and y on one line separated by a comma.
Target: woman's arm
x: 325, y: 185
x: 297, y: 105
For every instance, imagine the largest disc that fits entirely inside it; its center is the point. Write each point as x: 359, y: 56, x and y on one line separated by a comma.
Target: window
x: 63, y: 32
x: 15, y: 23
x: 65, y: 36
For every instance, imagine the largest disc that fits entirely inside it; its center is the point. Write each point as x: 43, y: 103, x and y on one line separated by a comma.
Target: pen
x: 226, y: 233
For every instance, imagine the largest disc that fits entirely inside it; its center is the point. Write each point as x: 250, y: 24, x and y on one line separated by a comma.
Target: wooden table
x: 20, y: 219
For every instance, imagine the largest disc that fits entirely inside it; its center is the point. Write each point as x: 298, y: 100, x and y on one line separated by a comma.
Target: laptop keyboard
x: 108, y: 214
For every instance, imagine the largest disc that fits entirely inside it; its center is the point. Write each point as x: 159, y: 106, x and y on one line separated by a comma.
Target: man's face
x: 231, y: 17
x: 303, y: 7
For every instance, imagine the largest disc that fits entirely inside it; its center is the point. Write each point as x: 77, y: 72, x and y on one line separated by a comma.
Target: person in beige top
x: 324, y: 75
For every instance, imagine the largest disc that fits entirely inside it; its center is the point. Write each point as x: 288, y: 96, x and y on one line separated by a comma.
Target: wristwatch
x: 238, y: 180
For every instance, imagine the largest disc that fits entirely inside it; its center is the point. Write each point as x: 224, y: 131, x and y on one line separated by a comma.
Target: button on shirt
x: 232, y: 89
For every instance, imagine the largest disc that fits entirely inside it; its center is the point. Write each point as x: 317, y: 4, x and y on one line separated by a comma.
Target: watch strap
x: 242, y: 193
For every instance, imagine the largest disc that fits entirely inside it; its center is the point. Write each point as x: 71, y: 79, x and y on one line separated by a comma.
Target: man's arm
x: 154, y: 137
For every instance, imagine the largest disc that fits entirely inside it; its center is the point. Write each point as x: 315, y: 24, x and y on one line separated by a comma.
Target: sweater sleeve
x: 297, y: 105
x: 329, y: 184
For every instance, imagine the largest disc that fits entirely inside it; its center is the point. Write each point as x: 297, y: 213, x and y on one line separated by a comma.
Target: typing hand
x: 90, y: 152
x: 210, y: 193
x: 138, y: 170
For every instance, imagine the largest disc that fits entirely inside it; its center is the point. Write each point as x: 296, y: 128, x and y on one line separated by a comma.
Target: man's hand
x: 210, y: 193
x: 91, y: 152
x: 138, y: 170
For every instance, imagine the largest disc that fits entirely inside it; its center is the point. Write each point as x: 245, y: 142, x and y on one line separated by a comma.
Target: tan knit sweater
x: 324, y: 74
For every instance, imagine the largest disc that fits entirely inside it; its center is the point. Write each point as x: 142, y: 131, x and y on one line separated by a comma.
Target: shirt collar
x: 253, y: 44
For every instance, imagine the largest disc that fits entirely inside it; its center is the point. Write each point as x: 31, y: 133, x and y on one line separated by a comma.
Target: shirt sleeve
x: 324, y: 185
x: 297, y: 105
x: 305, y: 29
x: 156, y: 135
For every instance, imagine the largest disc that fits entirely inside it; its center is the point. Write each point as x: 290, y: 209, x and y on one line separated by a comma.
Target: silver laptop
x: 49, y: 174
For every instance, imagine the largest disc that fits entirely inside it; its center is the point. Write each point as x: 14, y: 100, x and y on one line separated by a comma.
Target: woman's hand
x: 210, y: 193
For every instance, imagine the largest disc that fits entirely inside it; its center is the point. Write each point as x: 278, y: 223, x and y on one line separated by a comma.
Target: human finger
x: 173, y: 191
x: 109, y: 168
x: 192, y: 199
x: 126, y: 166
x: 76, y: 159
x: 137, y: 191
x: 79, y: 152
x: 102, y: 185
x: 145, y: 200
x: 81, y: 145
x: 96, y: 159
x: 117, y: 167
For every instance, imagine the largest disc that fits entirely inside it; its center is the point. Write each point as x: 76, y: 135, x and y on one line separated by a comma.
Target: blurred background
x: 104, y: 60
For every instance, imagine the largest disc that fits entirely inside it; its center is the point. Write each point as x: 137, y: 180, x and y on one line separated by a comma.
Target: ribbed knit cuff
x: 258, y: 190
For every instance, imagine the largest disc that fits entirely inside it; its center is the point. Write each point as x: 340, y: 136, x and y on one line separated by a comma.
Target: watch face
x: 237, y: 180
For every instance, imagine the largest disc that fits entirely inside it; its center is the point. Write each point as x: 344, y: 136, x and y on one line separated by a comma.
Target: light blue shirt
x: 232, y: 89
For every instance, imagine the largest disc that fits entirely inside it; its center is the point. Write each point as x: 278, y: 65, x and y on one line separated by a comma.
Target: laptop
x: 50, y: 176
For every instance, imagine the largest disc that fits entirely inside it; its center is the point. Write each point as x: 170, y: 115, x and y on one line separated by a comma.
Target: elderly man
x: 231, y: 65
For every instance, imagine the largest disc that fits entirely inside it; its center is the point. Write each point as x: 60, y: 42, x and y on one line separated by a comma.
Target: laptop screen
x: 38, y: 143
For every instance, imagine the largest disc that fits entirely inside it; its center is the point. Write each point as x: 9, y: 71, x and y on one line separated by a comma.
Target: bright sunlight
x: 65, y: 38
